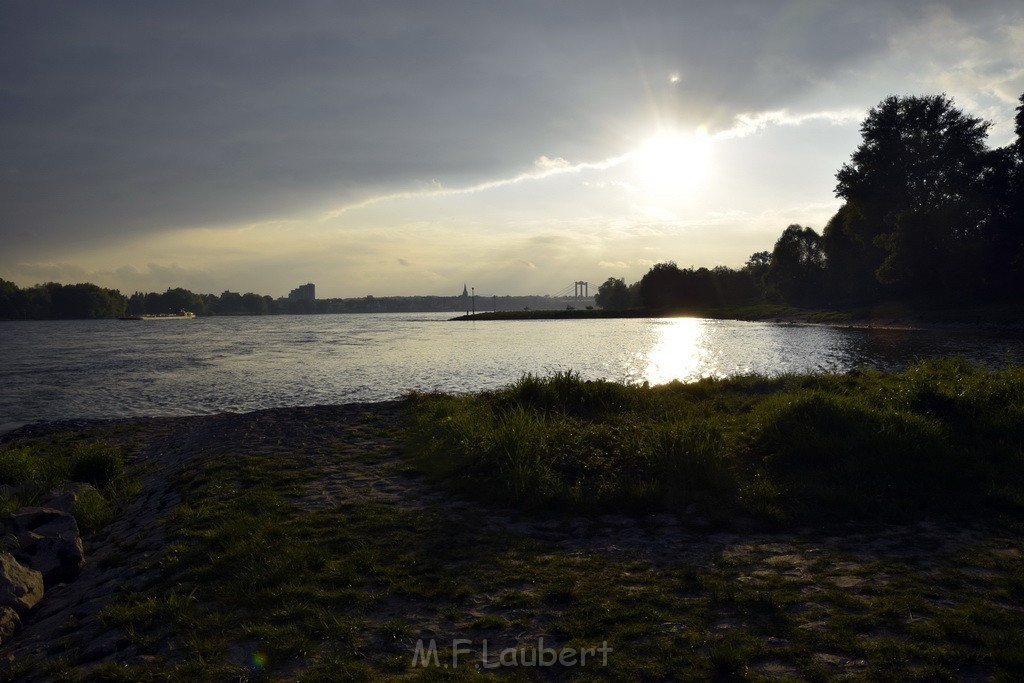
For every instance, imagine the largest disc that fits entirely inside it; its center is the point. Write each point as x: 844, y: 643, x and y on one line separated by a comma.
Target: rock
x: 105, y: 645
x: 21, y: 588
x: 58, y: 559
x: 64, y: 500
x: 44, y: 521
x: 9, y: 623
x: 79, y: 487
x: 49, y: 542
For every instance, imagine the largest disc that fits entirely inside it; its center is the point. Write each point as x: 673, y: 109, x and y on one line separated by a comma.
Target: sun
x: 672, y: 161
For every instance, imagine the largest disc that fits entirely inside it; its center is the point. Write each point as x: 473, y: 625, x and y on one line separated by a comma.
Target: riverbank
x: 306, y: 544
x: 1003, y: 318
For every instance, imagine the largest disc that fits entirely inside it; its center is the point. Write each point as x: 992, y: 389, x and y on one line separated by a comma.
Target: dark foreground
x: 300, y: 544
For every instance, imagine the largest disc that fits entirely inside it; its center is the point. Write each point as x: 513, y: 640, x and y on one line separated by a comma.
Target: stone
x: 58, y: 559
x: 44, y: 521
x: 79, y: 487
x: 21, y: 588
x: 65, y: 499
x: 9, y: 623
x: 48, y: 541
x: 104, y: 646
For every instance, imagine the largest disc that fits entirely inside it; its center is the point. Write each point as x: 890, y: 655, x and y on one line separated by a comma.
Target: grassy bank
x: 943, y: 438
x: 30, y: 471
x: 255, y: 586
x: 306, y: 545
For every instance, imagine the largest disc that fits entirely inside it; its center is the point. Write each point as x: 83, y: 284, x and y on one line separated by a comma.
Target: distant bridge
x: 579, y: 290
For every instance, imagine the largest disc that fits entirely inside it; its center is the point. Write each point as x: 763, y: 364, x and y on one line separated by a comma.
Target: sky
x: 400, y: 148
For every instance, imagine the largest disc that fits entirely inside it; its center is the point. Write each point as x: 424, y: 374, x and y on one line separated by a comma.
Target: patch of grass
x: 60, y: 461
x: 396, y: 629
x: 490, y: 622
x: 298, y: 584
x: 30, y: 470
x: 793, y: 448
x: 92, y: 511
x: 20, y: 464
x: 95, y: 463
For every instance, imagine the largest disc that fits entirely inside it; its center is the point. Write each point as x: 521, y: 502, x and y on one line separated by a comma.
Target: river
x: 110, y: 368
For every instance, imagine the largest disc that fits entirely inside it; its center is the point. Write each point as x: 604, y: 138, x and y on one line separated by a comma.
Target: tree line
x: 56, y: 301
x: 929, y: 215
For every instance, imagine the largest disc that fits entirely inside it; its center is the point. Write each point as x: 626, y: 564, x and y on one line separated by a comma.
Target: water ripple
x: 106, y: 368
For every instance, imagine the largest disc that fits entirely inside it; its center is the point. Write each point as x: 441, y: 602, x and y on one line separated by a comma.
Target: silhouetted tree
x: 1007, y: 242
x: 230, y: 302
x: 613, y: 294
x: 914, y: 181
x: 9, y: 299
x: 660, y: 287
x: 254, y: 304
x: 174, y: 300
x: 84, y: 300
x: 797, y: 269
x: 851, y: 257
x: 757, y: 269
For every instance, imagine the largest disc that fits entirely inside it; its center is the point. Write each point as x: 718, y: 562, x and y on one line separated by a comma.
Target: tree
x: 84, y: 300
x: 9, y: 299
x: 914, y: 182
x: 1018, y: 145
x: 797, y: 267
x: 661, y: 286
x: 254, y: 304
x: 613, y: 294
x: 851, y: 259
x: 757, y: 269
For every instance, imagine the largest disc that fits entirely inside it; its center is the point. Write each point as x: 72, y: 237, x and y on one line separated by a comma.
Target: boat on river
x: 180, y: 315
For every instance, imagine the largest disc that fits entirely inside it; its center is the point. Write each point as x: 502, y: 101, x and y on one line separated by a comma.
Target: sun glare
x: 672, y: 161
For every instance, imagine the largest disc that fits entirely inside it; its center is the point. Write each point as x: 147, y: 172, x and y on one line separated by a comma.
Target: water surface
x: 111, y: 368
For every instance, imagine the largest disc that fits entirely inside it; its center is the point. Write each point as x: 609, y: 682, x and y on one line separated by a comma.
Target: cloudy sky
x: 408, y: 147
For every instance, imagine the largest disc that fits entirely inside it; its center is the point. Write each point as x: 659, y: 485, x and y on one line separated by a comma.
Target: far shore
x: 895, y: 317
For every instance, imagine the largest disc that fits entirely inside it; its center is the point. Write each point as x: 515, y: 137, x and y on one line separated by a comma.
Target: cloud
x: 545, y: 163
x: 976, y: 66
x: 194, y: 134
x: 437, y: 189
x: 747, y: 124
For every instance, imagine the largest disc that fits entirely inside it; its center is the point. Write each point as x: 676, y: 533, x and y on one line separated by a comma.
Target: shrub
x: 96, y: 463
x: 941, y: 437
x: 844, y: 455
x: 92, y: 511
x: 19, y: 464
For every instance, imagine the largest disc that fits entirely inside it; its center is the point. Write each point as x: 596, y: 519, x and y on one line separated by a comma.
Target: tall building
x: 306, y: 292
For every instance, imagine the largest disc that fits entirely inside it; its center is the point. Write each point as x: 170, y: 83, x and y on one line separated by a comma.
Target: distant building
x: 465, y: 291
x: 306, y: 292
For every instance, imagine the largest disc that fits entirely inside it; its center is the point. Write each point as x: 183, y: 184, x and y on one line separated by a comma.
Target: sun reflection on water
x: 680, y: 352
